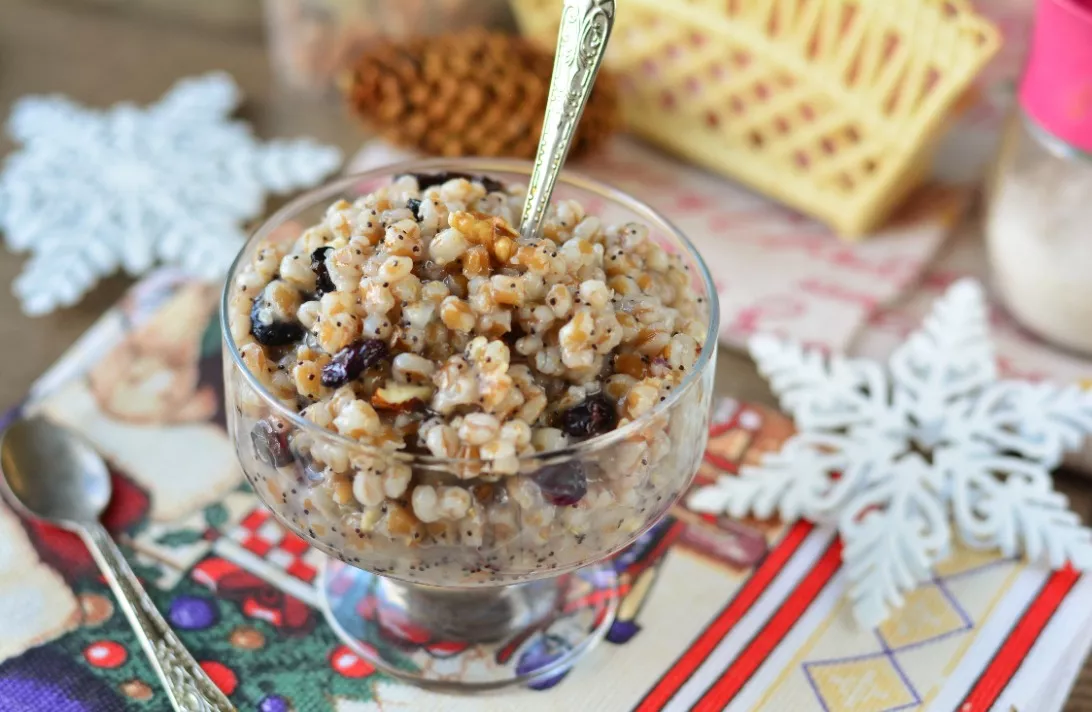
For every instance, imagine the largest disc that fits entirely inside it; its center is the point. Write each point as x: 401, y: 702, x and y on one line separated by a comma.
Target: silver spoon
x: 52, y: 474
x: 581, y: 42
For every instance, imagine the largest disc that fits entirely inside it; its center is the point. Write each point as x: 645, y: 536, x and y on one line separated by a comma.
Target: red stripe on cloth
x: 1014, y: 650
x: 304, y: 572
x: 733, y: 679
x: 257, y: 545
x: 293, y: 544
x: 716, y: 631
x: 597, y: 597
x: 668, y: 540
x: 721, y: 463
x: 255, y: 519
x: 721, y: 428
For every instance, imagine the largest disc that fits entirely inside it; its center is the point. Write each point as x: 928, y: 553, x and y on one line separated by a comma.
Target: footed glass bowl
x: 516, y: 592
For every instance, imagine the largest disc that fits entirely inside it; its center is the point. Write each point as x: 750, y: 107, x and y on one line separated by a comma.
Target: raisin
x: 354, y: 360
x: 270, y: 445
x: 594, y: 416
x: 276, y: 333
x: 322, y: 272
x: 562, y: 485
x: 513, y: 335
x: 415, y: 205
x: 428, y: 180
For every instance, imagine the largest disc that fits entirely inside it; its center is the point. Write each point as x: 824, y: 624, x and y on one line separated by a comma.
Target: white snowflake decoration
x: 93, y: 191
x: 898, y: 459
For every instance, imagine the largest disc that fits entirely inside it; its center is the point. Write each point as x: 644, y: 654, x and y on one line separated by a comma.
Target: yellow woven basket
x: 833, y: 107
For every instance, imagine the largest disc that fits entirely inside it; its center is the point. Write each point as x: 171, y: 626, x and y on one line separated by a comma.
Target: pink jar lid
x: 1056, y: 90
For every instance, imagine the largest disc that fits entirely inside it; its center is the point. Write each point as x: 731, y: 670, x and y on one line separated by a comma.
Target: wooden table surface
x: 102, y: 51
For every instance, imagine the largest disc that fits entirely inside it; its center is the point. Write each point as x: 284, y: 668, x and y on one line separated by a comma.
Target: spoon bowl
x: 75, y: 489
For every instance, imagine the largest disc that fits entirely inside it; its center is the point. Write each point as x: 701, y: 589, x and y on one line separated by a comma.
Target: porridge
x: 453, y: 372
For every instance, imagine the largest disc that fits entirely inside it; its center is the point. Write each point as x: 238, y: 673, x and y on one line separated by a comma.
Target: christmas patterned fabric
x: 716, y: 612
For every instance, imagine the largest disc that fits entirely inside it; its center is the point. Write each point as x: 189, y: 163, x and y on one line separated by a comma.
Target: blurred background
x: 294, y: 62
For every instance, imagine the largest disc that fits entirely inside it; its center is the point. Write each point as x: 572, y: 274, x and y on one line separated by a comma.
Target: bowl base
x: 470, y: 639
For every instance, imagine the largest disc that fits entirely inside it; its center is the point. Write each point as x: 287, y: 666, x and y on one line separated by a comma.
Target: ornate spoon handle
x: 581, y: 42
x: 188, y: 688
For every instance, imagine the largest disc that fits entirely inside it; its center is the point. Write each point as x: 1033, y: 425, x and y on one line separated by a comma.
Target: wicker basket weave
x: 833, y: 107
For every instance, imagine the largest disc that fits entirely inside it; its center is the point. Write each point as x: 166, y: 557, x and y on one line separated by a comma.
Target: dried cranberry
x: 353, y: 360
x: 594, y: 416
x: 415, y: 205
x: 275, y: 333
x: 428, y: 180
x: 322, y: 272
x: 563, y: 484
x: 270, y: 444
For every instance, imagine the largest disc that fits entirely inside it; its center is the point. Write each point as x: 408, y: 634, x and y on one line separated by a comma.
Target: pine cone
x: 469, y: 94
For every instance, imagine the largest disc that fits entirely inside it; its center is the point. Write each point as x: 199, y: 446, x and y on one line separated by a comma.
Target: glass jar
x: 1039, y: 216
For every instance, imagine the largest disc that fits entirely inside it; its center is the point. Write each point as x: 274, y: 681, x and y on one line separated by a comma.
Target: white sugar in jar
x: 1039, y: 216
x: 1039, y: 234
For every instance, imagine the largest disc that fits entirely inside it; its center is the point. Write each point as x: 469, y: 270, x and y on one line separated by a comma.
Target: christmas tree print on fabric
x: 266, y: 649
x: 259, y: 664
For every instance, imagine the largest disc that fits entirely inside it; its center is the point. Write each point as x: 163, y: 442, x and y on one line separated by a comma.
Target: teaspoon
x: 581, y: 43
x: 54, y: 475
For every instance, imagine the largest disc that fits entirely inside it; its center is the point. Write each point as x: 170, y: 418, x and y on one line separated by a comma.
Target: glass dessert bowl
x: 469, y: 441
